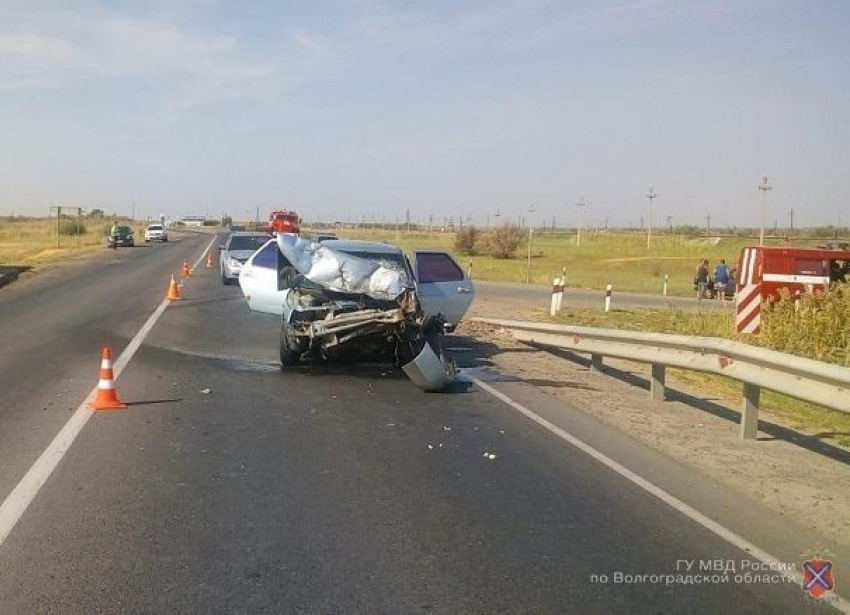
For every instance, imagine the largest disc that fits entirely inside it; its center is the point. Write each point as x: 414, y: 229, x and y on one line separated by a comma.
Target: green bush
x: 72, y: 226
x: 503, y: 241
x: 816, y: 325
x: 467, y: 239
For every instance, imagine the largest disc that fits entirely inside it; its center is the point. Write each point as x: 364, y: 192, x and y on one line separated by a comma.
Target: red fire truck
x: 284, y: 221
x: 800, y: 270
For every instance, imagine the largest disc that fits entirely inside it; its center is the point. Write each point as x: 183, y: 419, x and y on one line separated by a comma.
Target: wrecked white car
x: 361, y: 298
x: 441, y: 285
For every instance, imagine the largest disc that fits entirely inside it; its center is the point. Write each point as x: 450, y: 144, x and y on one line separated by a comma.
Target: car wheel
x: 225, y: 280
x: 289, y: 355
x: 165, y: 240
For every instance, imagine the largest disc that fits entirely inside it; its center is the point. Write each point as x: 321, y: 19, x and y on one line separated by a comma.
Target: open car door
x: 258, y: 280
x: 443, y: 286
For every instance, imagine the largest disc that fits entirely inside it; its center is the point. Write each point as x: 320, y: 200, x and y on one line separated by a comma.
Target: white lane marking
x: 836, y: 601
x: 204, y: 253
x: 17, y: 502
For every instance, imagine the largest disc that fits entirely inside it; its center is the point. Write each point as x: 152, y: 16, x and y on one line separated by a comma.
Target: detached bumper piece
x: 428, y: 371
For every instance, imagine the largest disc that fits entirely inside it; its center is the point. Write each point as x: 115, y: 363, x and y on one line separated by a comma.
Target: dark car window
x: 267, y: 257
x: 247, y: 242
x: 437, y: 267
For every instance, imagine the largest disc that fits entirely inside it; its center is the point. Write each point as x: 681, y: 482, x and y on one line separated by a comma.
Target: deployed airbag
x: 342, y: 272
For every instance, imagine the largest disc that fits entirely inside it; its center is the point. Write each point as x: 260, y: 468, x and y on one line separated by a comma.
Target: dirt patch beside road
x: 787, y: 476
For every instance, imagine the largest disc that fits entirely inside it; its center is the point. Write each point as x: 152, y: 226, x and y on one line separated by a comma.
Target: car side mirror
x: 221, y: 247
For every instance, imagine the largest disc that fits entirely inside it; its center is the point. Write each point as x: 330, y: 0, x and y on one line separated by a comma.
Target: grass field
x: 619, y: 259
x: 33, y: 241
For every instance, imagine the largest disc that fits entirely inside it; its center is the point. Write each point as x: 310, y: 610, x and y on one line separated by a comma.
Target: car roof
x: 155, y: 224
x: 350, y: 245
x: 248, y: 234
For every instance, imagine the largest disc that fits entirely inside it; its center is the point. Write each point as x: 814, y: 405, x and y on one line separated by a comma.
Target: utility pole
x: 651, y: 196
x: 708, y: 227
x: 580, y: 205
x: 764, y: 187
x: 670, y: 224
x: 791, y: 213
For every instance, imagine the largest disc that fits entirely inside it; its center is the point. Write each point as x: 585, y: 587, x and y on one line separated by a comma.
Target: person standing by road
x: 721, y: 279
x: 702, y: 279
x: 113, y: 233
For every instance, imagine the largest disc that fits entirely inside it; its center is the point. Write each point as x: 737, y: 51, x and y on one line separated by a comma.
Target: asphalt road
x: 586, y: 298
x: 228, y: 486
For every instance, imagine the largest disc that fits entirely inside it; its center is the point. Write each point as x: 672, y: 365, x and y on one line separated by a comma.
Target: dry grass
x: 33, y: 241
x: 620, y: 259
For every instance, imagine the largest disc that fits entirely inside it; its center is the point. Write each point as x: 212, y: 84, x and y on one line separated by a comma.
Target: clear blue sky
x: 369, y: 108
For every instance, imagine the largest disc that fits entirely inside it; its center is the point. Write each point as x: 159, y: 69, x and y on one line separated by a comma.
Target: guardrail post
x: 596, y: 361
x: 750, y: 411
x: 656, y: 381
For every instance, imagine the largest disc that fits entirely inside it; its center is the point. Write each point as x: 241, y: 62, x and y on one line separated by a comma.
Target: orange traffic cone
x: 209, y: 260
x: 106, y: 398
x: 173, y: 292
x: 186, y: 271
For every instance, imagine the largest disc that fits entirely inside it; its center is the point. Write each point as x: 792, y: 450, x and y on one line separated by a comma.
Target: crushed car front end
x: 321, y: 320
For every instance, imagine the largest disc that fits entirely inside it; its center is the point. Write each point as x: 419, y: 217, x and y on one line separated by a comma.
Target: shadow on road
x: 150, y: 402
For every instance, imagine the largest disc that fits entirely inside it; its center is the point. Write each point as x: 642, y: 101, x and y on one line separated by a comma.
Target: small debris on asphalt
x: 390, y: 424
x: 430, y: 447
x: 447, y: 428
x: 205, y: 391
x: 490, y: 456
x: 502, y: 431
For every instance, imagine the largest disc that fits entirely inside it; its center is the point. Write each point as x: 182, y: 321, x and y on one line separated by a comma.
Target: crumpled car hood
x: 342, y: 272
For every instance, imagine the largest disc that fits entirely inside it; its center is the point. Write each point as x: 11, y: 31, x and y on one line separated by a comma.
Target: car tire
x: 225, y: 280
x: 288, y: 356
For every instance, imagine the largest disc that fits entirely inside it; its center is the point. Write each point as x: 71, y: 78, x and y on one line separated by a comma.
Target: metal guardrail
x: 757, y: 368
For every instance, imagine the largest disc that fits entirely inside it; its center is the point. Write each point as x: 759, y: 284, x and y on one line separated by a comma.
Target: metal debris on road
x: 205, y: 391
x: 490, y: 456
